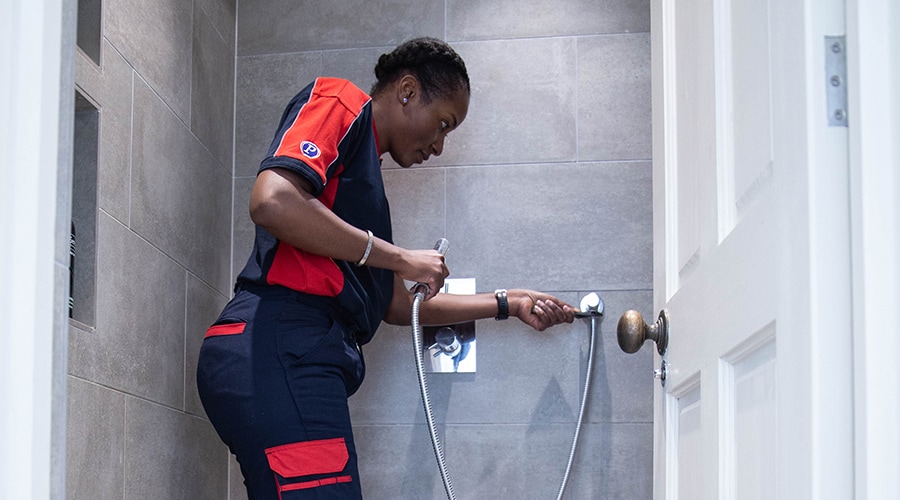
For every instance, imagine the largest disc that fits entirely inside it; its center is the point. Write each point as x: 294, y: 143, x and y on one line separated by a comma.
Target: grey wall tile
x: 181, y: 194
x: 508, y: 461
x: 222, y: 14
x: 95, y: 441
x: 522, y: 376
x: 522, y: 107
x: 397, y: 462
x: 203, y: 307
x: 356, y: 65
x: 613, y: 461
x: 110, y: 87
x: 418, y: 212
x: 517, y: 461
x: 155, y: 37
x: 614, y: 113
x: 197, y: 468
x: 479, y: 20
x: 622, y: 384
x: 280, y: 26
x: 244, y: 229
x: 212, y: 102
x: 265, y: 85
x: 138, y: 345
x: 552, y: 227
x: 389, y: 394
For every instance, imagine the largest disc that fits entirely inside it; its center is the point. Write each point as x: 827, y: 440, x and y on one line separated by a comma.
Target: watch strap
x: 502, y: 304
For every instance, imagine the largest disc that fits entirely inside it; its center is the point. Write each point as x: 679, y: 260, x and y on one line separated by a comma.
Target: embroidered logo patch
x: 310, y: 150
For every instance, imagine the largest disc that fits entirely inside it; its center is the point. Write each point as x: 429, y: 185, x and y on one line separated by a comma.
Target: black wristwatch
x: 502, y: 304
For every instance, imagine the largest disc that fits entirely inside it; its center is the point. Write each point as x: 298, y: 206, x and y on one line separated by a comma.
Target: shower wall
x: 546, y: 185
x: 164, y: 88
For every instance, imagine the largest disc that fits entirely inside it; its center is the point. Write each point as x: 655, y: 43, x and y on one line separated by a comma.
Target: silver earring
x: 405, y: 100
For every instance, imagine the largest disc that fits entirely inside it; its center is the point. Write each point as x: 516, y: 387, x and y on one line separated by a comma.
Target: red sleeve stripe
x: 322, y: 123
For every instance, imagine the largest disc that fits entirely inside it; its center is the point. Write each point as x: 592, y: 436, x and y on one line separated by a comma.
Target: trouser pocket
x: 309, y: 464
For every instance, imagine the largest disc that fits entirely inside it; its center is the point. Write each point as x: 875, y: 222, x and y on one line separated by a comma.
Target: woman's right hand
x: 424, y: 266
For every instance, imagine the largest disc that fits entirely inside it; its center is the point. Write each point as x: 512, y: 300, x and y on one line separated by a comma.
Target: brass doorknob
x: 633, y: 331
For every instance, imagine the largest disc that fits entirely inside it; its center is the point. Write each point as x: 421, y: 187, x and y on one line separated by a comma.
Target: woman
x: 277, y: 367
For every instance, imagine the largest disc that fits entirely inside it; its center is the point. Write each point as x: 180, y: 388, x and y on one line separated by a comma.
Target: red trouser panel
x: 296, y: 460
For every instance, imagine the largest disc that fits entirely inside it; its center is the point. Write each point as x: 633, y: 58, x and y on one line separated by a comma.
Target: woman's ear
x: 407, y: 89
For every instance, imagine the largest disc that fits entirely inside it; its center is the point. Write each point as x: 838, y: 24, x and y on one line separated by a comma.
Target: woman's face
x: 421, y: 130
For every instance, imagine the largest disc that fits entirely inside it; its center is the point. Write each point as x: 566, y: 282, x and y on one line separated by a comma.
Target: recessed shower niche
x: 83, y: 236
x: 89, y: 34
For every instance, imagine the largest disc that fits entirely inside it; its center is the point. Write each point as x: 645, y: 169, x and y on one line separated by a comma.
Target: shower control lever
x: 632, y: 331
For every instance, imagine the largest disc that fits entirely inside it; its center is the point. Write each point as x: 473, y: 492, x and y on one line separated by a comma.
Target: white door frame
x: 873, y: 43
x: 871, y: 456
x: 37, y: 93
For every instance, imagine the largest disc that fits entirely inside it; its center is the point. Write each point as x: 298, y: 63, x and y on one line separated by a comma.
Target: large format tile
x: 530, y: 461
x: 212, y: 89
x: 507, y: 461
x: 138, y: 345
x: 523, y: 104
x: 613, y: 461
x: 356, y: 65
x: 389, y: 394
x: 222, y: 15
x: 244, y: 229
x: 181, y: 194
x: 480, y: 20
x: 622, y: 384
x: 155, y: 36
x: 522, y: 376
x: 418, y: 211
x: 281, y: 26
x: 265, y: 85
x: 397, y: 462
x: 95, y: 441
x: 197, y: 468
x: 110, y: 88
x: 556, y: 227
x: 614, y: 98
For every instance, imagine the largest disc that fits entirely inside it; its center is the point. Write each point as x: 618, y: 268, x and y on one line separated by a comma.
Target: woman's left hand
x: 539, y: 310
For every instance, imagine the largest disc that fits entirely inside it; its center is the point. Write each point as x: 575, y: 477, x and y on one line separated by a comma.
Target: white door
x: 752, y: 253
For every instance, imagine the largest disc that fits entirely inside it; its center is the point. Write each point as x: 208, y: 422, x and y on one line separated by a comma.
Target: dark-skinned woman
x: 278, y: 365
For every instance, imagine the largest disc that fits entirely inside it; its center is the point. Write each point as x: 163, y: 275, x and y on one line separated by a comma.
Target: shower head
x: 591, y: 305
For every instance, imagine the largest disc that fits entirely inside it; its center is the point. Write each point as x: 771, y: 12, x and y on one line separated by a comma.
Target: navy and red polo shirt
x: 327, y: 135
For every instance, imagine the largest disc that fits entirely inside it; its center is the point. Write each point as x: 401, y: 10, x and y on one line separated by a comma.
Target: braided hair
x: 439, y: 69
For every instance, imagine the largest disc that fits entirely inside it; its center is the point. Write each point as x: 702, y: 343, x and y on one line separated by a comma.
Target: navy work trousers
x: 274, y: 375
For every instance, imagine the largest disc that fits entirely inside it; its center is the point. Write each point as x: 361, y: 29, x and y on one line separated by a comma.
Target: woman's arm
x: 536, y: 309
x: 283, y: 204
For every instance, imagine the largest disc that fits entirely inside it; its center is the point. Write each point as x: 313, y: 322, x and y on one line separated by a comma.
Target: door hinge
x: 836, y: 80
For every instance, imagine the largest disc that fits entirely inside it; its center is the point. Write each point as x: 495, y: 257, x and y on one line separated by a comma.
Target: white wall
x: 33, y: 36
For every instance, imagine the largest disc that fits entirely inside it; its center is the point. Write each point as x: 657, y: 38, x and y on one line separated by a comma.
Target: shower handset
x: 440, y: 247
x: 419, y: 291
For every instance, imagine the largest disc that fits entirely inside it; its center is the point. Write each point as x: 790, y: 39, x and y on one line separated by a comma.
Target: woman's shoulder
x: 338, y: 87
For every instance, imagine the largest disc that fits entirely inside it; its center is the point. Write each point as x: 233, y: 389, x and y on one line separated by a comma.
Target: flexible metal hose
x: 418, y: 297
x: 587, y: 384
x: 426, y: 400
